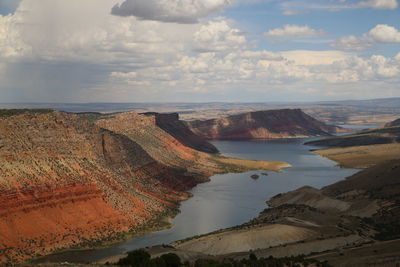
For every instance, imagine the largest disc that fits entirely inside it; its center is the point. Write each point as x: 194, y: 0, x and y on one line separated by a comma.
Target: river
x: 232, y: 199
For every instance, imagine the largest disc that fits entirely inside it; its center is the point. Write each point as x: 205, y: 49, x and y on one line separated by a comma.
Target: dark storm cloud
x: 178, y: 11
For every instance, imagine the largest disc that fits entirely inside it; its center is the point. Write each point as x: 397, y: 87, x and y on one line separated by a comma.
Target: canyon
x: 68, y: 181
x: 80, y: 180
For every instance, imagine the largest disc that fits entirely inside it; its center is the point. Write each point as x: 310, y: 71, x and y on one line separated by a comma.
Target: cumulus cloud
x: 381, y: 33
x: 179, y: 11
x: 218, y: 35
x: 309, y: 57
x: 68, y: 51
x: 352, y: 43
x: 379, y: 4
x: 384, y: 34
x: 290, y: 30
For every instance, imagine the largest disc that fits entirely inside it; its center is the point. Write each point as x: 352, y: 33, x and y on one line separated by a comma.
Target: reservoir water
x: 232, y: 199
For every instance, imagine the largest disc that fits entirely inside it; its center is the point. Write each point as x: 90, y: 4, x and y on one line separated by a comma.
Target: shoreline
x: 162, y: 222
x: 68, y: 254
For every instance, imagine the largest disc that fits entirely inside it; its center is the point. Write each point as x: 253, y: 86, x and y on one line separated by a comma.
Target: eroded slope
x: 64, y: 181
x: 281, y: 123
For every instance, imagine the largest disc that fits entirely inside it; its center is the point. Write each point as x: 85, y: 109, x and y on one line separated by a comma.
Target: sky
x: 198, y: 50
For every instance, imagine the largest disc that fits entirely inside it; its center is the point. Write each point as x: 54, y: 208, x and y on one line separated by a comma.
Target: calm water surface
x: 360, y: 126
x: 232, y: 199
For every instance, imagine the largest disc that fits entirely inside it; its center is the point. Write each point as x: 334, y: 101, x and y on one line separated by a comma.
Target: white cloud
x: 218, y: 35
x: 305, y: 57
x: 179, y: 11
x: 290, y: 13
x: 11, y: 44
x: 379, y: 4
x: 383, y: 33
x: 303, y: 6
x: 294, y: 31
x: 68, y: 50
x: 352, y: 43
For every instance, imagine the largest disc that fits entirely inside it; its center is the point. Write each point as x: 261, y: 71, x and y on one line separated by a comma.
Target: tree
x: 171, y: 260
x: 136, y: 258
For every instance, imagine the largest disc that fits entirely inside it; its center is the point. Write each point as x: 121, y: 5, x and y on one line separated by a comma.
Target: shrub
x: 171, y: 260
x: 136, y: 258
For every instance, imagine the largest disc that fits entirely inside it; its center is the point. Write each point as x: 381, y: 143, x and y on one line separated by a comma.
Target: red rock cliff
x: 282, y: 123
x: 65, y: 181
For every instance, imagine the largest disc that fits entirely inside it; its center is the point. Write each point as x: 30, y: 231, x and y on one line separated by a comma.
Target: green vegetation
x: 255, y: 176
x: 141, y: 258
x: 253, y: 261
x: 11, y: 112
x: 387, y: 229
x: 94, y: 116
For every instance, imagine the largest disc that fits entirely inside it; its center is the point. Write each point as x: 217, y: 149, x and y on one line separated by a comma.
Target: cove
x: 232, y: 199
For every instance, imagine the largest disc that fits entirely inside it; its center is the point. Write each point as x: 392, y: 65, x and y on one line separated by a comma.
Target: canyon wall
x: 65, y: 181
x: 78, y: 180
x: 283, y: 123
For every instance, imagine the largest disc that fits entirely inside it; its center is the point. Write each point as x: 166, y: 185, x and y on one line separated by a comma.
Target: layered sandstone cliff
x: 163, y: 147
x: 65, y: 181
x: 178, y: 129
x: 283, y: 123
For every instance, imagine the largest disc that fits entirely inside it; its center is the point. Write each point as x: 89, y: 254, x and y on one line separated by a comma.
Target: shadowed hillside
x: 282, y: 123
x: 393, y: 123
x: 385, y: 135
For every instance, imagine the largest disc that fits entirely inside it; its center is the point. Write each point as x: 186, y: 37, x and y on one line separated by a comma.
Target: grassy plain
x: 361, y: 156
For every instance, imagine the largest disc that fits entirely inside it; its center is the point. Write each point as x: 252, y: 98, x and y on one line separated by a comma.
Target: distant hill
x: 281, y: 123
x: 369, y: 137
x: 393, y: 123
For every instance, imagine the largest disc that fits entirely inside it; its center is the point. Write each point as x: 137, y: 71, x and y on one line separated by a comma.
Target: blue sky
x: 256, y: 18
x: 194, y: 50
x: 8, y: 6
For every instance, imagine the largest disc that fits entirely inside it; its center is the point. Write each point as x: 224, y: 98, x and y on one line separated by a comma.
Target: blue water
x: 360, y: 126
x: 232, y: 199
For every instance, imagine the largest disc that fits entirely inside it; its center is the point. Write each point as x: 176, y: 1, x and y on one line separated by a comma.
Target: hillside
x: 283, y: 123
x: 67, y: 181
x: 178, y: 129
x: 362, y: 149
x: 387, y: 135
x: 359, y: 212
x: 393, y: 123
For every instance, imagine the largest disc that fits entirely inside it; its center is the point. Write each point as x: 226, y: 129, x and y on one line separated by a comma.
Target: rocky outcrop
x: 284, y: 123
x: 65, y: 181
x: 178, y: 129
x: 160, y: 145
